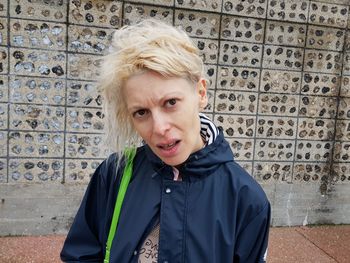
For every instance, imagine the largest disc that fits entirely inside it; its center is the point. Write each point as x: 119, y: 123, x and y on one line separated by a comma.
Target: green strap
x: 130, y: 154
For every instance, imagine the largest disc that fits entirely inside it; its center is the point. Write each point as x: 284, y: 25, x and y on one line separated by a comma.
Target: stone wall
x: 279, y: 74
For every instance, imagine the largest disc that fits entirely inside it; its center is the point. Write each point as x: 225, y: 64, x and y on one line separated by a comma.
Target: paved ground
x: 325, y: 244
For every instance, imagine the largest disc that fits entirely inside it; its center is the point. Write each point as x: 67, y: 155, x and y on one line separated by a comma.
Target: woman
x: 187, y: 200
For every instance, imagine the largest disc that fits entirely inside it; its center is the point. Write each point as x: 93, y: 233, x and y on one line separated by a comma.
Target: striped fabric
x: 209, y: 131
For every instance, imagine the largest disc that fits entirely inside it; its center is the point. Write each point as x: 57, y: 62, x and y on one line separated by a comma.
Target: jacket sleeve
x: 252, y: 242
x: 85, y: 240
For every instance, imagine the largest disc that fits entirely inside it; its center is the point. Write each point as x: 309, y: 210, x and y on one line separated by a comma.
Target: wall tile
x: 35, y: 170
x: 278, y: 104
x: 3, y: 116
x: 238, y: 103
x: 310, y: 172
x: 240, y: 54
x: 271, y: 172
x: 35, y: 144
x: 85, y: 120
x: 86, y: 146
x: 316, y: 151
x: 83, y: 67
x: 242, y: 148
x: 292, y: 10
x: 80, y: 170
x: 198, y: 24
x: 3, y: 31
x: 276, y: 127
x: 236, y: 125
x: 39, y: 10
x: 36, y: 118
x: 37, y: 34
x: 208, y: 50
x: 341, y: 152
x: 272, y: 150
x: 316, y: 129
x: 3, y: 60
x: 345, y: 87
x: 3, y: 9
x: 235, y: 78
x: 89, y: 40
x: 280, y: 33
x: 315, y: 106
x: 3, y: 88
x: 256, y: 8
x: 320, y: 84
x: 328, y: 14
x: 323, y: 61
x: 340, y: 172
x: 96, y: 13
x: 280, y: 81
x: 3, y: 170
x: 277, y: 57
x: 325, y: 38
x: 210, y: 75
x: 37, y: 90
x: 3, y: 144
x: 242, y: 29
x: 344, y: 108
x: 343, y: 130
x: 37, y: 63
x: 83, y: 94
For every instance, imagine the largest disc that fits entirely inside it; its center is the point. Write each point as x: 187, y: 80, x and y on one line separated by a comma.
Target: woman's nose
x: 161, y: 124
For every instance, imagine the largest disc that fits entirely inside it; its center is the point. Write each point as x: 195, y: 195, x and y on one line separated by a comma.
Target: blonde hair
x: 148, y: 45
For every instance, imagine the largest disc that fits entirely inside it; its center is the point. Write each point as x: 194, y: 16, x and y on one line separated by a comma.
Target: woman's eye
x: 140, y: 113
x: 171, y: 102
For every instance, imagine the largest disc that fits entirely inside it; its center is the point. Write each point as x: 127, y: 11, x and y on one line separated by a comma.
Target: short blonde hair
x: 149, y: 45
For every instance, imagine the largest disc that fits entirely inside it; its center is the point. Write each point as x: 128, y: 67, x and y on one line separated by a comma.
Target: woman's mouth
x: 169, y: 149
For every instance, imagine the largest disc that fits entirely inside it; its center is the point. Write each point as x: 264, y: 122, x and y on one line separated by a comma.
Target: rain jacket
x: 217, y: 213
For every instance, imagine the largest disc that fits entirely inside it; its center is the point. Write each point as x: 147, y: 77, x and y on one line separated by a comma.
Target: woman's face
x: 164, y: 112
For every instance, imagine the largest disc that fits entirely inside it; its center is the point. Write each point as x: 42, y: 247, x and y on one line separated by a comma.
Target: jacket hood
x: 201, y: 163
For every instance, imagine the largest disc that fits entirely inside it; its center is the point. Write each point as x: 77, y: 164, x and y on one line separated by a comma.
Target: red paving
x: 322, y: 244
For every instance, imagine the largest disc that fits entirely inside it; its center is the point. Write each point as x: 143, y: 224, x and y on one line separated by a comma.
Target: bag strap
x: 129, y: 154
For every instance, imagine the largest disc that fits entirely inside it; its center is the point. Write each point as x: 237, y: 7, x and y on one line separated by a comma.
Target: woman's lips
x: 169, y: 149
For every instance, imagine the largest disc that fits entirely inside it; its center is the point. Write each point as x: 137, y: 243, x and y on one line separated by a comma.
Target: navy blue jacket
x: 217, y: 213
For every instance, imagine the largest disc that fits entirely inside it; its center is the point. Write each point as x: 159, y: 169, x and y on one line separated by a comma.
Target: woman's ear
x: 202, y: 93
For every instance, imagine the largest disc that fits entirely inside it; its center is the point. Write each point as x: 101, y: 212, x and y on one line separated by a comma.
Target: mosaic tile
x: 341, y: 152
x: 320, y: 84
x: 242, y: 29
x: 86, y: 146
x: 39, y: 10
x: 35, y: 117
x: 340, y: 172
x: 3, y: 61
x: 35, y: 170
x: 291, y: 10
x: 3, y: 9
x: 272, y: 150
x: 328, y: 14
x: 315, y: 129
x: 280, y: 33
x: 343, y: 130
x: 81, y: 66
x: 3, y: 144
x: 208, y: 5
x: 88, y: 39
x: 344, y: 108
x: 276, y: 127
x: 233, y: 102
x: 314, y: 106
x: 198, y: 24
x: 3, y: 88
x: 37, y: 63
x: 236, y: 125
x: 250, y: 8
x: 84, y: 120
x: 310, y: 172
x: 96, y: 13
x: 345, y: 87
x: 210, y: 75
x: 80, y: 170
x: 35, y: 144
x: 37, y: 34
x: 234, y: 78
x: 271, y: 172
x: 325, y: 38
x: 3, y: 116
x: 280, y: 81
x: 323, y: 61
x: 242, y: 148
x: 277, y: 57
x: 37, y: 90
x: 313, y: 151
x: 278, y: 104
x: 208, y: 49
x: 83, y: 94
x: 210, y: 106
x: 3, y: 31
x: 240, y: 54
x: 3, y: 170
x: 135, y: 13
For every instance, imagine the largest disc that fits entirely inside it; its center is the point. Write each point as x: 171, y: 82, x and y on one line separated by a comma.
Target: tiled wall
x: 279, y: 74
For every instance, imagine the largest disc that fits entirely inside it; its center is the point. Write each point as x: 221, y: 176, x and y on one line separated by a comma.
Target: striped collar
x: 208, y: 131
